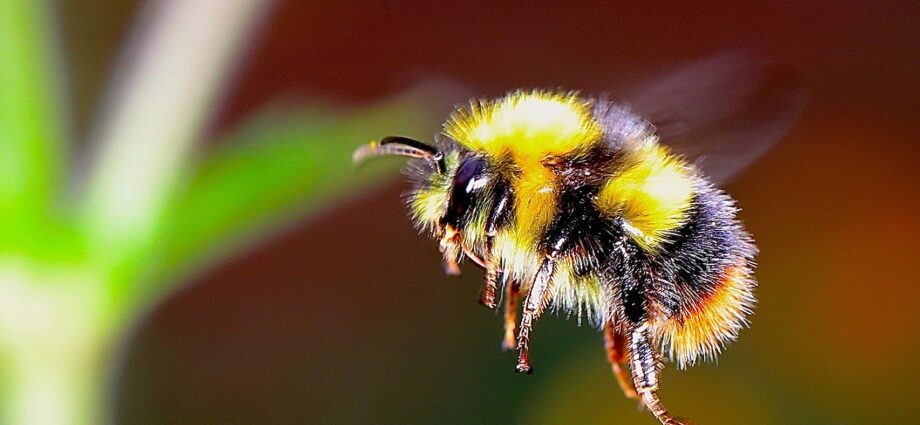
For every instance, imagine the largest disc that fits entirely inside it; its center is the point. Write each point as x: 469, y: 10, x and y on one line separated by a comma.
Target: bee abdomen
x: 710, y: 262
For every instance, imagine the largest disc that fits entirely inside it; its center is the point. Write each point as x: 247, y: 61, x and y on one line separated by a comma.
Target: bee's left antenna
x: 401, y: 146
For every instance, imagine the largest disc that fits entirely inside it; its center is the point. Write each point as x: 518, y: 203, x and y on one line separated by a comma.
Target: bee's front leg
x: 645, y: 365
x: 487, y: 295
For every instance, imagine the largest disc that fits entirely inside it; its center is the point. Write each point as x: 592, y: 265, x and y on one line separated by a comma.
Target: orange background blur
x: 348, y: 319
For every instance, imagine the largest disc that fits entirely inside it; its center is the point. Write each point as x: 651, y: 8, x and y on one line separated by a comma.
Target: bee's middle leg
x: 536, y: 301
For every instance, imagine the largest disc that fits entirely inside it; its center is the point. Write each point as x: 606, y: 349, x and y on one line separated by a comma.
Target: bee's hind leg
x: 645, y: 365
x: 615, y: 344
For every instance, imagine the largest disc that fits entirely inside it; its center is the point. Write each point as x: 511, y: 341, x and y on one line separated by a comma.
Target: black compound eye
x: 469, y: 182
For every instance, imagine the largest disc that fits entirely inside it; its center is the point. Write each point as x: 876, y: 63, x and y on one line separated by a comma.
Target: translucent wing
x: 722, y: 113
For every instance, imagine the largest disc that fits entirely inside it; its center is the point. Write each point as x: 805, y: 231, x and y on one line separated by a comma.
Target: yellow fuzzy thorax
x: 526, y: 125
x: 528, y: 128
x: 652, y: 193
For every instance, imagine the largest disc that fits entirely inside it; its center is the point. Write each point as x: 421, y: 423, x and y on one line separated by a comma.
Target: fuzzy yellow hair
x: 652, y: 193
x: 532, y: 124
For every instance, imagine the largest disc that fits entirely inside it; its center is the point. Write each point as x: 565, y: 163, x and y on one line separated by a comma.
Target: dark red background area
x: 347, y: 318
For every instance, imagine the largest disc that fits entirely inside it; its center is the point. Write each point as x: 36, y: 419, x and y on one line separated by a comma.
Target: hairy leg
x: 643, y: 361
x: 493, y: 275
x: 487, y: 295
x: 533, y: 307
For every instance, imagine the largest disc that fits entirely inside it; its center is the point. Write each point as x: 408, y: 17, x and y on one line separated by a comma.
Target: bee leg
x: 493, y: 275
x: 533, y: 306
x: 511, y: 299
x: 645, y: 365
x: 615, y: 344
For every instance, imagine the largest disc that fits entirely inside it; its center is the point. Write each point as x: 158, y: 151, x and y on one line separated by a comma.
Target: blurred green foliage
x: 277, y: 167
x: 31, y: 119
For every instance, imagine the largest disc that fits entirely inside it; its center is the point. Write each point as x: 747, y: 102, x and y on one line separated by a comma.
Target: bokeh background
x: 345, y: 316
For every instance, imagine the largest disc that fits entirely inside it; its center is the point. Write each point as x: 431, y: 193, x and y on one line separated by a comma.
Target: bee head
x: 449, y: 183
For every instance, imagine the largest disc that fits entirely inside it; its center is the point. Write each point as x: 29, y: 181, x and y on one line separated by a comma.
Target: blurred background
x: 338, y: 312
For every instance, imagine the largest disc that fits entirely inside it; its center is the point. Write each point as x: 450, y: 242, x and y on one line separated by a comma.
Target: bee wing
x: 722, y: 113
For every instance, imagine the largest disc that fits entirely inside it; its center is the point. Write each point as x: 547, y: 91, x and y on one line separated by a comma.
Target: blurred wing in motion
x: 722, y: 113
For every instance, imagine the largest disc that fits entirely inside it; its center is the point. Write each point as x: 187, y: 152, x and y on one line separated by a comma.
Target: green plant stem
x: 53, y: 347
x: 54, y: 384
x: 154, y: 118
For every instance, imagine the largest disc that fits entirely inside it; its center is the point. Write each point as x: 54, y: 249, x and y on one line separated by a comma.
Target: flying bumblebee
x: 606, y: 211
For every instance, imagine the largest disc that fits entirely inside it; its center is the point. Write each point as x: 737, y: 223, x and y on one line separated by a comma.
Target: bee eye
x: 468, y: 184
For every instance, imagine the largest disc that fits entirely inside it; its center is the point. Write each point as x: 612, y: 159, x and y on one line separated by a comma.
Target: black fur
x: 697, y: 256
x: 630, y: 270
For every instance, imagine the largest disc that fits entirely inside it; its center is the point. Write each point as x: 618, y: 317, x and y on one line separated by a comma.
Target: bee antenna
x: 401, y: 146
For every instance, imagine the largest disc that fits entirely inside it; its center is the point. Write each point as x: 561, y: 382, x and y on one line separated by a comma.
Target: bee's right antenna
x: 402, y: 146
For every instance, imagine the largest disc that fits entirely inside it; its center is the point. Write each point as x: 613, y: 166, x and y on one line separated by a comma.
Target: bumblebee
x: 576, y: 204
